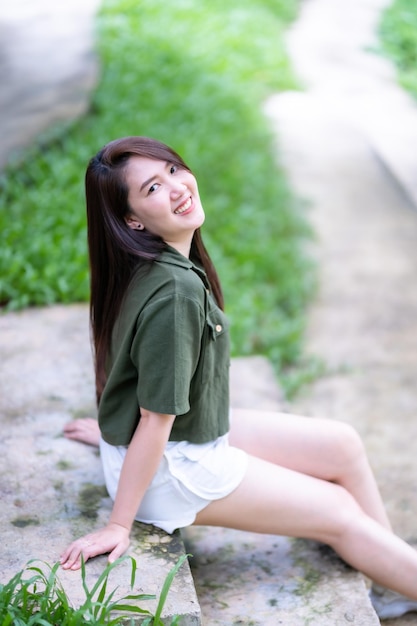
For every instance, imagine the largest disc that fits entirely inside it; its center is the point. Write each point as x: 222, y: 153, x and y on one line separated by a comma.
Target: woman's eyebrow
x: 149, y: 180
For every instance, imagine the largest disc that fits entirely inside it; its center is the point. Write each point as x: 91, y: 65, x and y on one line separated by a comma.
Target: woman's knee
x: 343, y: 517
x: 348, y: 446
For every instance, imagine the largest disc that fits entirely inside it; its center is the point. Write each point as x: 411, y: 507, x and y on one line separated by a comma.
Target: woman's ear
x: 134, y: 224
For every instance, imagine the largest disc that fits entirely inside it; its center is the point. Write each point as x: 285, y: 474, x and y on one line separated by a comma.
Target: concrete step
x: 52, y: 490
x: 264, y: 580
x: 247, y: 578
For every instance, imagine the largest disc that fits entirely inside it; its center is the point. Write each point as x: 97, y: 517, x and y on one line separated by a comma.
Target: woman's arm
x: 140, y: 464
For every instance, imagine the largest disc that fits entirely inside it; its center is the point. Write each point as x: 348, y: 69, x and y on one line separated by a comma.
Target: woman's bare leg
x: 280, y: 501
x: 326, y: 449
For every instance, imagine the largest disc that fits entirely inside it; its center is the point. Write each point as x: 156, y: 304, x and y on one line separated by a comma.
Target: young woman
x: 172, y: 453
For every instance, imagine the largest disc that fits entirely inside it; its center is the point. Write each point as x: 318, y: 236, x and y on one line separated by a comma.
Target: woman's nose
x: 177, y: 188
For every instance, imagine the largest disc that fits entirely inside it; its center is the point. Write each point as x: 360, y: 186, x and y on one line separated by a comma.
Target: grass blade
x: 165, y: 589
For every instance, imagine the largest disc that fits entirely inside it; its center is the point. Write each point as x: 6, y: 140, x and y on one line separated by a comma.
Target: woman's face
x: 164, y: 200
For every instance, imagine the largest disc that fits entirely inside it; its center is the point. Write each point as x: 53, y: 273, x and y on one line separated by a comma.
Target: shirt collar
x: 171, y: 256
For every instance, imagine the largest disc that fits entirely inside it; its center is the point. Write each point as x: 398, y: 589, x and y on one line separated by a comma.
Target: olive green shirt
x: 169, y: 354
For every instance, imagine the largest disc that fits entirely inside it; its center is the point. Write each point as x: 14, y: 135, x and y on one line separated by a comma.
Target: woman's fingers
x: 118, y: 552
x: 71, y: 558
x: 112, y: 539
x: 85, y: 430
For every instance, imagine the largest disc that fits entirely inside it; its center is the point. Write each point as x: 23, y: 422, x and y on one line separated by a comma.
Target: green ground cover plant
x: 193, y: 74
x: 35, y: 597
x: 398, y: 36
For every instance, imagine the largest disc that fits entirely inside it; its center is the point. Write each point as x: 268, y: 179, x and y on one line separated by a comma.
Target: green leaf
x: 165, y: 589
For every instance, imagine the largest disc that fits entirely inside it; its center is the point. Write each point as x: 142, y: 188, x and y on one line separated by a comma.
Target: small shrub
x: 33, y: 597
x: 398, y: 36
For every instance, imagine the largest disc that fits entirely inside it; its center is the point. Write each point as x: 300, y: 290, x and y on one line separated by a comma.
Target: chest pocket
x: 216, y: 349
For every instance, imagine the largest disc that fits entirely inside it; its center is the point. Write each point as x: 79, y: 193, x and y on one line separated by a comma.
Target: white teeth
x: 184, y: 207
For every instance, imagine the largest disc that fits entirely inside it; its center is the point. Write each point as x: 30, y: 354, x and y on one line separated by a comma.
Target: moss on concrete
x: 25, y: 520
x: 89, y: 499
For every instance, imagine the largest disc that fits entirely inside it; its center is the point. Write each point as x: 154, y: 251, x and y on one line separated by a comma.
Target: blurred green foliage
x: 398, y: 35
x: 193, y: 74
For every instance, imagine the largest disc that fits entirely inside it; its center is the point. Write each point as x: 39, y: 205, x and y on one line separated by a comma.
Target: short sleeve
x: 165, y: 351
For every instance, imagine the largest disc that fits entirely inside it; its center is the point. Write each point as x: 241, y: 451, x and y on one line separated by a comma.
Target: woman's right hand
x: 112, y: 539
x: 139, y: 466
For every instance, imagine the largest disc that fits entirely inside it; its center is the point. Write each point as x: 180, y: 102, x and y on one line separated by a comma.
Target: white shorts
x: 189, y: 477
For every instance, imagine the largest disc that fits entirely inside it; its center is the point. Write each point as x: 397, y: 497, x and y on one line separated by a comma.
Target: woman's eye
x: 173, y: 169
x: 153, y: 188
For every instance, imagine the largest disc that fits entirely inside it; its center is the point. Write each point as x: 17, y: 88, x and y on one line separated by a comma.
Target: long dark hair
x: 115, y: 250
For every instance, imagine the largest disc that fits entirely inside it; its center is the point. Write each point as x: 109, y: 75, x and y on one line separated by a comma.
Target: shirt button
x: 218, y: 328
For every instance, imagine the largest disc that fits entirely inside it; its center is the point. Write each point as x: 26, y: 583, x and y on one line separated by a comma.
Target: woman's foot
x: 85, y: 430
x: 389, y: 604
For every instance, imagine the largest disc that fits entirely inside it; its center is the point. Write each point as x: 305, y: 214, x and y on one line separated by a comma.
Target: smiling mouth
x: 184, y: 207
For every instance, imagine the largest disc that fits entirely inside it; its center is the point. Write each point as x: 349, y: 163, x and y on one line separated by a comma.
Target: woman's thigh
x: 322, y: 448
x: 277, y: 500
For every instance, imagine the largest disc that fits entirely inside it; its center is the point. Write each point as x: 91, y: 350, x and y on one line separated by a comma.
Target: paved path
x: 348, y: 143
x: 331, y: 48
x: 364, y: 321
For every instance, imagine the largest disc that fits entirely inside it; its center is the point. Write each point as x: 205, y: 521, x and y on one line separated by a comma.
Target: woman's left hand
x: 112, y: 539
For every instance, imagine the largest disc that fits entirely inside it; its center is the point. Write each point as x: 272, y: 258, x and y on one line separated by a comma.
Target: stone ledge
x: 55, y: 493
x: 155, y: 553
